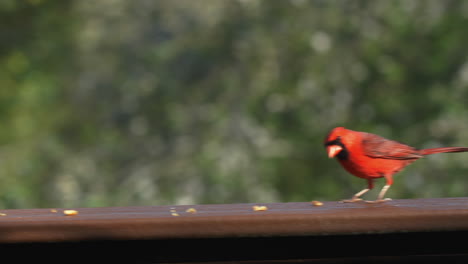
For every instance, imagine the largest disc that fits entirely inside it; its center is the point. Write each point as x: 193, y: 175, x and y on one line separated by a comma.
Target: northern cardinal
x: 369, y: 156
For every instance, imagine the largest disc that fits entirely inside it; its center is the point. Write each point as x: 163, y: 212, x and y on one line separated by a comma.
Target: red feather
x: 369, y: 156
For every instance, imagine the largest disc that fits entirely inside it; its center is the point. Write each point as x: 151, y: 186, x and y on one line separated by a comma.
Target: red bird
x: 369, y: 156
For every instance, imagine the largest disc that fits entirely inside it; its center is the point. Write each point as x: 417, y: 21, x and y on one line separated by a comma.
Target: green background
x: 116, y: 102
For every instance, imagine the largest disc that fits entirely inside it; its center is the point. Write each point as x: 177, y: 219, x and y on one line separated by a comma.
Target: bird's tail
x: 442, y: 150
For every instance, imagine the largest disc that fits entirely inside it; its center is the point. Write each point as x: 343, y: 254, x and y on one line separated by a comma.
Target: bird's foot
x: 352, y: 200
x: 379, y: 201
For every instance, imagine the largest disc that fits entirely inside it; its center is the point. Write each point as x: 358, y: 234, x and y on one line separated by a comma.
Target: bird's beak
x: 333, y: 150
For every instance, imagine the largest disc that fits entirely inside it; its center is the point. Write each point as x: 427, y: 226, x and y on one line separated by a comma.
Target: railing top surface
x: 233, y: 220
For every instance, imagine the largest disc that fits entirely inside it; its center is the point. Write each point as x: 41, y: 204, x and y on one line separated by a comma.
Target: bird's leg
x: 355, y: 198
x: 380, y: 198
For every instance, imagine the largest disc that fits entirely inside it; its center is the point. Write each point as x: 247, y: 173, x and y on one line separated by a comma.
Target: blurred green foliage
x: 115, y: 102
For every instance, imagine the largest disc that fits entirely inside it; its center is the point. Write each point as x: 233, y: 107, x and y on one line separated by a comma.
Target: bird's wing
x: 378, y: 147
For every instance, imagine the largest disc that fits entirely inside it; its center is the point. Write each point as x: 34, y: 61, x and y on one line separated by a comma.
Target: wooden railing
x: 427, y: 230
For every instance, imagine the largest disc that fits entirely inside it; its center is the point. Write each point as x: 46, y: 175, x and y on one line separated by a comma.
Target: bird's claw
x: 379, y: 201
x: 352, y: 200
